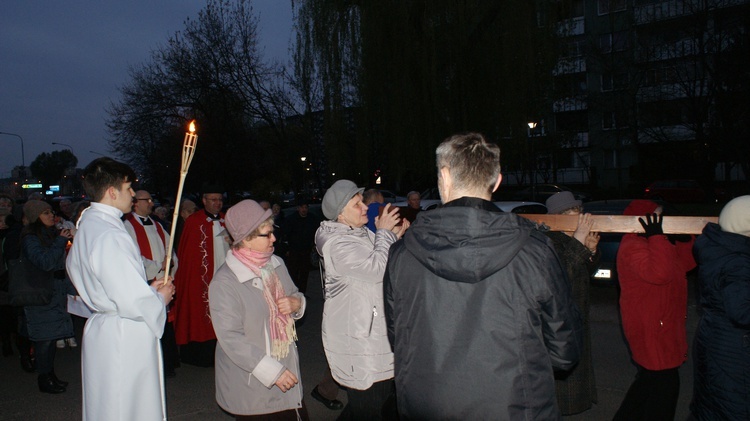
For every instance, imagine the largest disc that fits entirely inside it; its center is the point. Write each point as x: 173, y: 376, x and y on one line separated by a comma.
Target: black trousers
x: 298, y: 265
x: 652, y: 396
x: 170, y: 353
x: 44, y: 352
x: 373, y: 404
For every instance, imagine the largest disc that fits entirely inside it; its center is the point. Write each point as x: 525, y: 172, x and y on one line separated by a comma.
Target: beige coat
x: 245, y: 371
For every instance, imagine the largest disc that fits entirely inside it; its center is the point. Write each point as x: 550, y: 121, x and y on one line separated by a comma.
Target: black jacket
x: 479, y: 314
x: 721, y: 352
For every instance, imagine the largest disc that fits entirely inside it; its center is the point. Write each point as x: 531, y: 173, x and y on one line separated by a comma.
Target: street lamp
x: 23, y: 161
x: 65, y: 144
x: 532, y: 167
x: 302, y: 160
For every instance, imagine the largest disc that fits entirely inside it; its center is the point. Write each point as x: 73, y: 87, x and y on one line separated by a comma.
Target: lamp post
x: 303, y: 159
x: 70, y: 148
x: 65, y: 144
x: 23, y: 160
x: 532, y: 167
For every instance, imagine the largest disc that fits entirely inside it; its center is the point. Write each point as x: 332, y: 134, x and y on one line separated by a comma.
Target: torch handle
x: 175, y: 215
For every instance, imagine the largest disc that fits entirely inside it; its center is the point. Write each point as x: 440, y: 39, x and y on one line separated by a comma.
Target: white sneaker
x: 60, y: 343
x: 71, y: 342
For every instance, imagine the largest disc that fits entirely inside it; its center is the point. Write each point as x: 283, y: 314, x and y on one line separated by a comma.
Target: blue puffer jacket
x: 722, y: 342
x: 51, y: 321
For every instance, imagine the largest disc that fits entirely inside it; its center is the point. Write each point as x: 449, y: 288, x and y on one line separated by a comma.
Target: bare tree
x: 212, y: 71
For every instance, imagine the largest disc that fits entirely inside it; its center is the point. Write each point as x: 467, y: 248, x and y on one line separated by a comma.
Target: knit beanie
x: 735, y: 216
x: 561, y: 201
x: 336, y: 198
x: 33, y: 208
x: 243, y: 218
x: 640, y: 207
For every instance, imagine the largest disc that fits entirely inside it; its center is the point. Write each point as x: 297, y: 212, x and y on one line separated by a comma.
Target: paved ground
x: 191, y: 394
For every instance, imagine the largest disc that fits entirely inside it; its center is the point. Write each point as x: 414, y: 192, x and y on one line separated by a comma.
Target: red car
x: 680, y: 191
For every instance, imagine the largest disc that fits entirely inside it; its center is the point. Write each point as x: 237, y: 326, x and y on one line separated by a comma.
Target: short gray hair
x: 473, y: 162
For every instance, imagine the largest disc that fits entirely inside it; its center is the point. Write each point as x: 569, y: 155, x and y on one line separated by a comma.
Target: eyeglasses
x: 266, y: 235
x: 149, y: 200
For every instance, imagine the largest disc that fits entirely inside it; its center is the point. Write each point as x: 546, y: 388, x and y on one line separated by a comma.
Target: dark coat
x: 479, y: 313
x: 51, y: 321
x: 576, y: 389
x: 722, y: 340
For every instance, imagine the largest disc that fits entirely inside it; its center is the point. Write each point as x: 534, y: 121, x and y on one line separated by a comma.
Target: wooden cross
x: 624, y: 223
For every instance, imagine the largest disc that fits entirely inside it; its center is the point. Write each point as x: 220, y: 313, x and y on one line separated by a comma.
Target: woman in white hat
x: 253, y: 304
x: 354, y: 331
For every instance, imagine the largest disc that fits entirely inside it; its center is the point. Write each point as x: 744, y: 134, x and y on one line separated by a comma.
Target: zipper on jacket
x: 372, y: 321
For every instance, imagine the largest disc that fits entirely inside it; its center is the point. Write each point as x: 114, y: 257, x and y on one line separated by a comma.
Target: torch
x: 188, y: 149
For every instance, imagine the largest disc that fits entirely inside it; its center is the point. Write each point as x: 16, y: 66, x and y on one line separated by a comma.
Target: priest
x: 202, y: 250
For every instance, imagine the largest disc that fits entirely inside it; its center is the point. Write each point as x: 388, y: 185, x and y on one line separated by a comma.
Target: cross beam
x: 624, y: 223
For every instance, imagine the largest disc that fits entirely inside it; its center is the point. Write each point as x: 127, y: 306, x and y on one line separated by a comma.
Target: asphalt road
x: 190, y: 395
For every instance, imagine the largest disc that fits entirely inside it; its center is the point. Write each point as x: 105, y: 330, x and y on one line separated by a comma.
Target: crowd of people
x: 462, y: 312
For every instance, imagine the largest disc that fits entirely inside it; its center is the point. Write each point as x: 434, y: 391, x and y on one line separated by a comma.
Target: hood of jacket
x: 460, y: 241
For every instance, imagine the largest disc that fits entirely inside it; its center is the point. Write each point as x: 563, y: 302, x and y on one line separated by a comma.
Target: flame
x: 192, y: 126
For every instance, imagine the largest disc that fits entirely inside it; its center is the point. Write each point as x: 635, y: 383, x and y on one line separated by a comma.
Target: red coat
x: 653, y: 298
x: 196, y: 256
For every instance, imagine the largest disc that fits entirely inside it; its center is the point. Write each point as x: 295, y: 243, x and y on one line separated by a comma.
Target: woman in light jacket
x: 354, y: 333
x: 253, y: 304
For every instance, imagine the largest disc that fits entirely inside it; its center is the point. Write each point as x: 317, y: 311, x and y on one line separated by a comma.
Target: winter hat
x: 735, y: 216
x: 640, y: 207
x: 33, y: 208
x: 561, y: 201
x: 243, y: 218
x: 340, y: 193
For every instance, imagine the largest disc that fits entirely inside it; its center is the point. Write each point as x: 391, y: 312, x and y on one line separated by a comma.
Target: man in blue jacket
x: 478, y: 308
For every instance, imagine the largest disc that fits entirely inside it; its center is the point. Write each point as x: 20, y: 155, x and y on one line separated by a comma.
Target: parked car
x: 541, y: 192
x: 391, y: 197
x: 682, y: 191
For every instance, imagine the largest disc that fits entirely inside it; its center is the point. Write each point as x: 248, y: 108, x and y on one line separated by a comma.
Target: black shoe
x: 47, y: 385
x: 333, y: 404
x: 27, y: 364
x: 57, y: 381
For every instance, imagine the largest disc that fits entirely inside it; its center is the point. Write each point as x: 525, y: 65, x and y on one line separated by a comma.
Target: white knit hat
x: 735, y: 217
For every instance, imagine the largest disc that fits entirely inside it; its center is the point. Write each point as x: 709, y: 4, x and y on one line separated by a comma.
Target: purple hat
x: 243, y: 218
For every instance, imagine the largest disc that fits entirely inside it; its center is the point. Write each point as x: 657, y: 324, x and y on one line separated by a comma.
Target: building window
x: 616, y: 41
x: 614, y: 120
x: 614, y: 81
x: 576, y: 47
x: 611, y: 6
x: 610, y: 159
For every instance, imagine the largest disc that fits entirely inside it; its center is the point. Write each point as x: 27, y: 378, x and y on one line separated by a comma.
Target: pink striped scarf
x: 283, y: 332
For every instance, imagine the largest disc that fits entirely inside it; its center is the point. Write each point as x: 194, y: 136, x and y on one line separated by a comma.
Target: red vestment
x: 196, y: 256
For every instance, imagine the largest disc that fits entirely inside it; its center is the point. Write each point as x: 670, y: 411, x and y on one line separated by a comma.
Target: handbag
x: 29, y: 285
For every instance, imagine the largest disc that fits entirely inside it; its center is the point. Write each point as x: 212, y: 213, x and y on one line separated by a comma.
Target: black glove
x: 652, y: 227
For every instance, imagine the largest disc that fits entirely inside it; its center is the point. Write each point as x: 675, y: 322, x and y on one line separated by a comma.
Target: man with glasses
x: 152, y: 239
x: 202, y: 250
